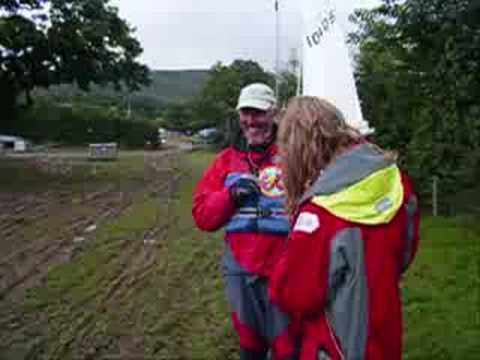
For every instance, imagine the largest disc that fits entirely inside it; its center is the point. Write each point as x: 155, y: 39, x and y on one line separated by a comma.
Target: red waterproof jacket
x: 354, y: 235
x: 255, y: 233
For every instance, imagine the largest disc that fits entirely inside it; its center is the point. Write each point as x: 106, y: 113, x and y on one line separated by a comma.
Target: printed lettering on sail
x: 327, y: 70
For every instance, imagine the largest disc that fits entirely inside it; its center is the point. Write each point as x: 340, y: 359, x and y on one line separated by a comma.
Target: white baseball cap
x: 257, y: 96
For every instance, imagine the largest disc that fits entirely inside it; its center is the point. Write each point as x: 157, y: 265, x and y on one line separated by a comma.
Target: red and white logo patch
x: 307, y: 222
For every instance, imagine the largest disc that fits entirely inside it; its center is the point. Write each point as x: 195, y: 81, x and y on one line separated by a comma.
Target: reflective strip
x: 333, y: 338
x: 244, y: 216
x: 374, y: 200
x: 260, y: 212
x: 411, y: 208
x: 250, y: 210
x: 347, y: 309
x: 247, y: 209
x: 255, y: 215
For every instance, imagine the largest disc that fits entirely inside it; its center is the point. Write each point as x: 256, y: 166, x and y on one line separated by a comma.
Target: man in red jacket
x: 242, y: 192
x: 355, y: 231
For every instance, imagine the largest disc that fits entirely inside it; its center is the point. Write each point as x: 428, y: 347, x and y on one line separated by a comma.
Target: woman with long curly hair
x: 354, y: 232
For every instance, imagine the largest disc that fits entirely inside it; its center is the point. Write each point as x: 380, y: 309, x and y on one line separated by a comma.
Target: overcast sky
x: 192, y: 34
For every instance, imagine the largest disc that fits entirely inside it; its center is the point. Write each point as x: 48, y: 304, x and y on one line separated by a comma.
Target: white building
x: 15, y: 143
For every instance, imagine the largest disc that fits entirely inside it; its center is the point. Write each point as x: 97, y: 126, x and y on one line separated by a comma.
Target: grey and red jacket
x: 255, y: 234
x: 354, y: 235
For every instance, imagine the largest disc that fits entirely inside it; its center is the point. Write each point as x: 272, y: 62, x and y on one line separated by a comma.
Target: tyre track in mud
x: 16, y: 210
x: 137, y: 262
x: 107, y: 204
x: 45, y: 249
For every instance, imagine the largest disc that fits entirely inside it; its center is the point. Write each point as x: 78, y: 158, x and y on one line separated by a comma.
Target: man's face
x: 256, y: 125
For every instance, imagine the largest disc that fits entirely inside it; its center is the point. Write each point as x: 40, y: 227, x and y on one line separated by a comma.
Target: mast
x: 277, y: 51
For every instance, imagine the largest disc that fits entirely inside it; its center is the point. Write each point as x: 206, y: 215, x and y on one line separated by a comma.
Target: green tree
x: 217, y: 101
x: 288, y: 81
x: 178, y: 116
x: 63, y: 41
x: 287, y: 87
x: 419, y: 76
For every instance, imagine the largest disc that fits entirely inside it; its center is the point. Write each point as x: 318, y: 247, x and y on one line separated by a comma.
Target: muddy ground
x: 52, y: 209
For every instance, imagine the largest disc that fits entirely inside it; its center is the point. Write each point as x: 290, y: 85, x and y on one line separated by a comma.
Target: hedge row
x: 75, y: 124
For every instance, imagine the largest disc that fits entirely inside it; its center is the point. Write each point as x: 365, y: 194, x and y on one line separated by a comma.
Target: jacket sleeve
x: 299, y: 282
x: 212, y: 204
x: 412, y: 230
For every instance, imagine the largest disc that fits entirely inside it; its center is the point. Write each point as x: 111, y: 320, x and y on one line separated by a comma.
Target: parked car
x: 207, y: 136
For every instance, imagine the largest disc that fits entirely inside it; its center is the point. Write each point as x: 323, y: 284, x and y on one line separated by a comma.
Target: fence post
x: 435, y: 195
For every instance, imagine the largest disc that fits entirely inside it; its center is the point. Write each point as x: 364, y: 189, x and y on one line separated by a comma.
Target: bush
x: 74, y: 124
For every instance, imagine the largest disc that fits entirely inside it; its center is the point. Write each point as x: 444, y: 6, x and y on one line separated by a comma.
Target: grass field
x: 147, y: 285
x: 442, y: 292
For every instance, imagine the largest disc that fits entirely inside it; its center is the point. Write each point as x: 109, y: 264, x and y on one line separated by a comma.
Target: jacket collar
x: 349, y: 168
x: 361, y: 186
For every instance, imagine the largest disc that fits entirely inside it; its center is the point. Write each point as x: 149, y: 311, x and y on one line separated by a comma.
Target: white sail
x: 327, y: 69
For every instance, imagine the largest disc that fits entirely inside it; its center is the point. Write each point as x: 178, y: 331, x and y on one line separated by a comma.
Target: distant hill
x: 175, y: 86
x: 168, y: 86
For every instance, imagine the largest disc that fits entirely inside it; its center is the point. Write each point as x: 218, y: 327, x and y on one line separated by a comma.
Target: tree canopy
x: 418, y: 72
x: 217, y: 101
x: 47, y: 42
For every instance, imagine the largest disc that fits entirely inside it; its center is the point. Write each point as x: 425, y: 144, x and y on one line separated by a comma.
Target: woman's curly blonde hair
x: 311, y: 132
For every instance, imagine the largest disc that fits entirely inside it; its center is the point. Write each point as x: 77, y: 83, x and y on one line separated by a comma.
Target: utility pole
x: 277, y: 52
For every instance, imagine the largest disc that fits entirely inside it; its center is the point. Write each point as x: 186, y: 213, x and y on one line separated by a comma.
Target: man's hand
x: 243, y: 190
